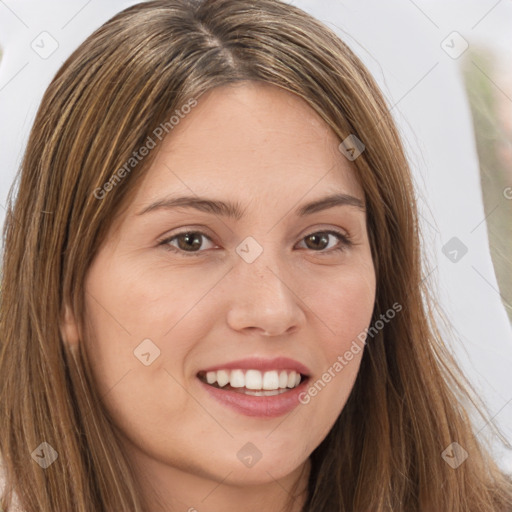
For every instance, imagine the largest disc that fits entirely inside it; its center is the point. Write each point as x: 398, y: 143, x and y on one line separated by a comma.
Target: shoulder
x: 15, y: 506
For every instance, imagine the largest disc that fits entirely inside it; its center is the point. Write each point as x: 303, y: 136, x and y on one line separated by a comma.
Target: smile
x: 253, y: 382
x: 256, y: 386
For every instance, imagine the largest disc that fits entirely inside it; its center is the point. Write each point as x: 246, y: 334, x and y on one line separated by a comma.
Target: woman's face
x: 260, y: 289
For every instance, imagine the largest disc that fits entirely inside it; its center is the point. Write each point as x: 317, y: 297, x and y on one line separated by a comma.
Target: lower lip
x: 259, y: 406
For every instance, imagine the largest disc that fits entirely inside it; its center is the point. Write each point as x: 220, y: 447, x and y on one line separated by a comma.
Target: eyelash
x: 345, y: 239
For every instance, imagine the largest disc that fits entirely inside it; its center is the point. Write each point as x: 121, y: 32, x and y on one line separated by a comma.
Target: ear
x: 69, y: 328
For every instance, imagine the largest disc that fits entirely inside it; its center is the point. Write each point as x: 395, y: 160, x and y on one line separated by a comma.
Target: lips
x: 262, y: 364
x: 256, y: 386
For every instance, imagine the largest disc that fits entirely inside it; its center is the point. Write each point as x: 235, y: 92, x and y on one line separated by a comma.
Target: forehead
x: 252, y: 140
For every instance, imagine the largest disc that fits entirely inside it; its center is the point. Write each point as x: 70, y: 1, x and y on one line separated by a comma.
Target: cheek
x: 130, y: 313
x: 343, y: 302
x: 128, y: 304
x: 343, y: 309
x: 137, y: 301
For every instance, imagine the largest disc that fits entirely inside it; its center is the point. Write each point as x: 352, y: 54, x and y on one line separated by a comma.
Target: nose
x: 263, y: 301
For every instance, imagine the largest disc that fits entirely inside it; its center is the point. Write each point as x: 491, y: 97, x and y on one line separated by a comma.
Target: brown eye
x: 321, y: 240
x: 188, y: 241
x: 317, y: 241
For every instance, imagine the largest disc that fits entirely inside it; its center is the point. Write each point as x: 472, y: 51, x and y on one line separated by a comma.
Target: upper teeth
x: 254, y: 379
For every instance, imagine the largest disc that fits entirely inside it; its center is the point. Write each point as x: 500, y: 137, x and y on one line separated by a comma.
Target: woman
x: 177, y: 332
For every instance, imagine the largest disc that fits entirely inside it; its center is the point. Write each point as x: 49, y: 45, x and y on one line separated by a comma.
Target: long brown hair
x: 385, y: 450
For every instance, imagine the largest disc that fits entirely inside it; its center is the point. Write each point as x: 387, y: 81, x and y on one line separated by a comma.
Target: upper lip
x: 262, y: 364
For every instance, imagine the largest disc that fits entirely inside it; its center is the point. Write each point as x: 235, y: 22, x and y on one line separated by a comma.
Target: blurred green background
x: 489, y: 89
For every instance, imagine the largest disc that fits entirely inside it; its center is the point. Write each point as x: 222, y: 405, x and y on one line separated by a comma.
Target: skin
x: 267, y: 150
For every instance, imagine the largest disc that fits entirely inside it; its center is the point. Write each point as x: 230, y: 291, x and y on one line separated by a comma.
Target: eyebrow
x: 234, y: 210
